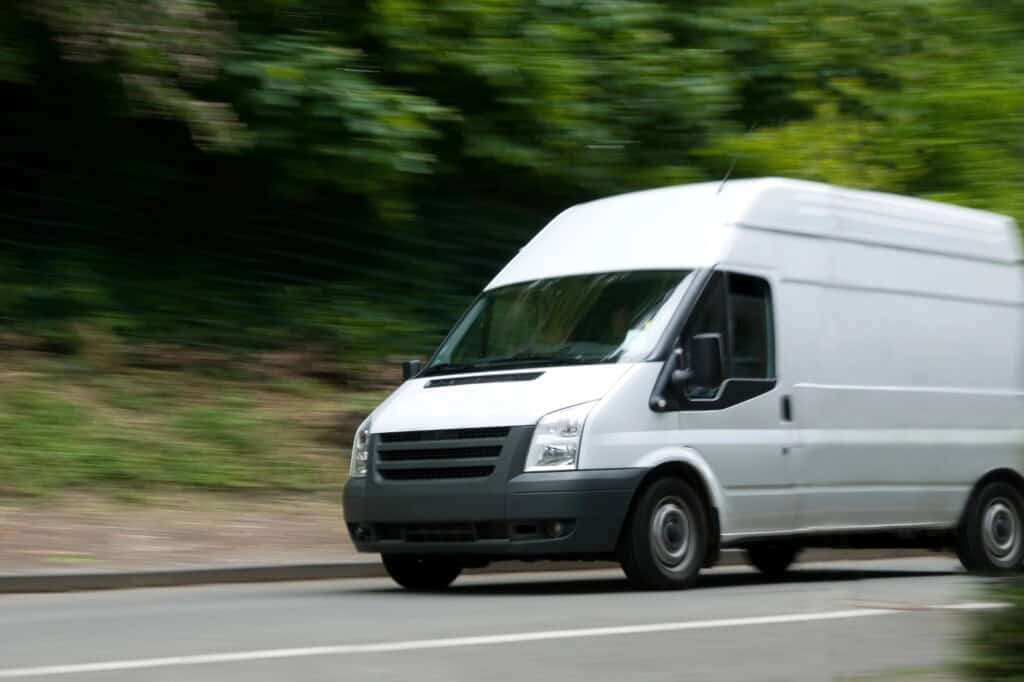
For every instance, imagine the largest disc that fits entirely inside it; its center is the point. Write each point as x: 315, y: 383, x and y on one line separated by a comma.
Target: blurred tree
x: 162, y: 51
x: 204, y: 171
x: 597, y: 95
x: 911, y: 97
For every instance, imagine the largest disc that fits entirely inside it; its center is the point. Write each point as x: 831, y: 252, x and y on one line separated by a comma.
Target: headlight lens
x: 556, y: 440
x: 360, y: 451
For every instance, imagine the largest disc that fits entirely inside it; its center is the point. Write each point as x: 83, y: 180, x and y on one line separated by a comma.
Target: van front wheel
x: 666, y: 538
x: 421, y: 573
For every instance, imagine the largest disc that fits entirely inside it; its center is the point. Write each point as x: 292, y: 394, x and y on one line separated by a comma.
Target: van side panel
x: 920, y: 391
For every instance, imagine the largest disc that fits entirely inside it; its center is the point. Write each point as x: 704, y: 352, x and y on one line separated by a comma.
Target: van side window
x: 750, y: 328
x: 738, y: 308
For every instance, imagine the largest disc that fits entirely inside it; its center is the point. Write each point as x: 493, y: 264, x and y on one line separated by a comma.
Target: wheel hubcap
x: 1001, y: 531
x: 670, y: 532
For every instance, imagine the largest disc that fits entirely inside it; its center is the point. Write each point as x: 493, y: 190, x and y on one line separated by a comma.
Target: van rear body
x: 766, y: 364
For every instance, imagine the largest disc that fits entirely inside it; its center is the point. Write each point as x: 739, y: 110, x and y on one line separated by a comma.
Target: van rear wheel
x: 772, y: 560
x: 423, y: 574
x: 665, y: 540
x: 991, y: 537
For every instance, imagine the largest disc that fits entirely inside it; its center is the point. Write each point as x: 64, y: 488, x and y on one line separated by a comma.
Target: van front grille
x: 406, y: 455
x: 444, y: 434
x: 436, y: 473
x: 447, y: 454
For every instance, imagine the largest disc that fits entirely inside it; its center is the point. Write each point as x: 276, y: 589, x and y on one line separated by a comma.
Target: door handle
x: 787, y: 409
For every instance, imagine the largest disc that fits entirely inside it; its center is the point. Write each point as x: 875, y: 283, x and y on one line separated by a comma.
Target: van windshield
x: 580, y: 319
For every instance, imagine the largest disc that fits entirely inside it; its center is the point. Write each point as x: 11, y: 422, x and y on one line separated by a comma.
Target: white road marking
x: 452, y: 642
x: 975, y: 606
x: 907, y: 607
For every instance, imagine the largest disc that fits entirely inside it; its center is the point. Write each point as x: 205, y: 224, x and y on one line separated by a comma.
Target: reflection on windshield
x: 582, y: 319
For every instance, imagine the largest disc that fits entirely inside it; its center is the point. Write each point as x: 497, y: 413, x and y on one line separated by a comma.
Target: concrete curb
x: 117, y: 580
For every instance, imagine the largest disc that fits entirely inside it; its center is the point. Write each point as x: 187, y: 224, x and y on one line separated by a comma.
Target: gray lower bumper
x: 514, y: 522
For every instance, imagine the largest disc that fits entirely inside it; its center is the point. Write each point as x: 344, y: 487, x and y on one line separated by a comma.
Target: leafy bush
x: 996, y: 645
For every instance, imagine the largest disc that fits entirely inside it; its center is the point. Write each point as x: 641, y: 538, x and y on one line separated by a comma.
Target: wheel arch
x: 1007, y: 474
x: 688, y: 465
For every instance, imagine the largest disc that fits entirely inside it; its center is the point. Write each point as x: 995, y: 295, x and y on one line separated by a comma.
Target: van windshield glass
x: 581, y: 319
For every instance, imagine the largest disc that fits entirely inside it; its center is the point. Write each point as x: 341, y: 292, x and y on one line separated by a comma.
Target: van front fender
x: 694, y: 460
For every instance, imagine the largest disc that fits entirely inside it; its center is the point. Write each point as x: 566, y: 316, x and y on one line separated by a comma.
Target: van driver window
x: 738, y: 308
x: 709, y: 317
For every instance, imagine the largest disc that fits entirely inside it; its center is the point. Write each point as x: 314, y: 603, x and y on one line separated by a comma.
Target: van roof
x: 687, y: 226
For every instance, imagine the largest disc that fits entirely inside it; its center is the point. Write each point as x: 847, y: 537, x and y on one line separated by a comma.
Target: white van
x: 763, y: 364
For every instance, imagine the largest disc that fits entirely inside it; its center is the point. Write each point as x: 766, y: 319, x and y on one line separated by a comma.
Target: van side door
x: 739, y: 425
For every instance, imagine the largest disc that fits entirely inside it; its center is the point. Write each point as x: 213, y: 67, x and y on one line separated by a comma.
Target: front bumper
x: 520, y: 515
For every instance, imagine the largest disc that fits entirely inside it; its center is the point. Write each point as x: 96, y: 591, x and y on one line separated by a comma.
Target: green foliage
x: 314, y: 108
x: 926, y: 104
x: 284, y: 173
x: 996, y: 645
x: 337, y: 320
x: 595, y: 94
x: 913, y: 95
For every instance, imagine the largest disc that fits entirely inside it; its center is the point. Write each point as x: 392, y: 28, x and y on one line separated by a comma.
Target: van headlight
x: 358, y: 462
x: 556, y: 440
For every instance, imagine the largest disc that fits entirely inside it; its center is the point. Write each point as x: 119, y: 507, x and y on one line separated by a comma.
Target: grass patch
x: 127, y: 431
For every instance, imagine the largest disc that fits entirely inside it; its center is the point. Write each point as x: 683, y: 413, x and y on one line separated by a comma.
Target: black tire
x: 665, y: 540
x: 772, y: 560
x: 991, y: 535
x: 423, y: 574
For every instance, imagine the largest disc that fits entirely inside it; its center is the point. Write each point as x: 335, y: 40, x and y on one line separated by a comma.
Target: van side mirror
x: 697, y: 369
x: 410, y: 368
x: 706, y: 360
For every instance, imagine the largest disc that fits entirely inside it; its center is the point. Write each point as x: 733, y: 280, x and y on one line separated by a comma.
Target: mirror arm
x: 410, y: 368
x: 662, y: 399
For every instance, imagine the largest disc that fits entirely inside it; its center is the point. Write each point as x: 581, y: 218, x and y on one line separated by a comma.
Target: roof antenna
x: 732, y: 165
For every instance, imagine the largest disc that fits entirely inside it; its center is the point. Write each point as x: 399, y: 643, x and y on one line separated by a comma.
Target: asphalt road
x: 825, y: 621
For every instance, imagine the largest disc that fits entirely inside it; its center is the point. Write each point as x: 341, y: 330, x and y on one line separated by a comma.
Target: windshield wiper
x: 521, y: 359
x: 535, y: 360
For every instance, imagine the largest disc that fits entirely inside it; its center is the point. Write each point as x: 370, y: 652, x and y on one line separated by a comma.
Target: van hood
x: 448, y: 402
